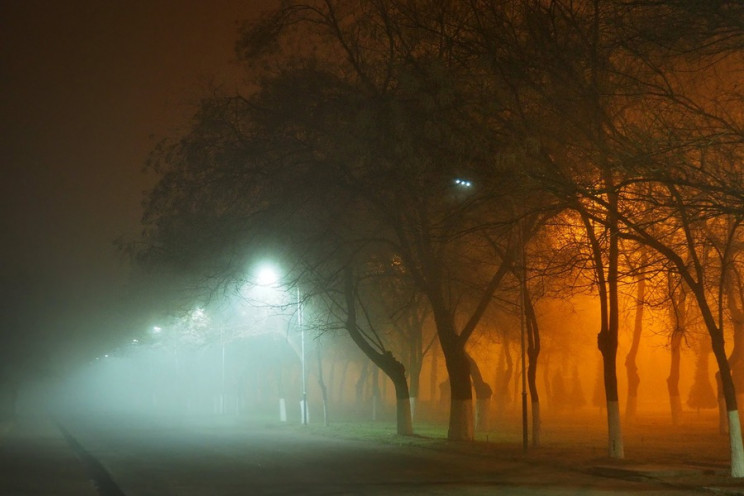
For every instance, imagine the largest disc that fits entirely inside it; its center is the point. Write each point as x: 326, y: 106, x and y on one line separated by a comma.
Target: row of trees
x: 453, y: 161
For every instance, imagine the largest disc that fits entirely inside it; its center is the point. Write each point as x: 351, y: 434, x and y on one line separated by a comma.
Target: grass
x: 565, y: 440
x: 695, y: 450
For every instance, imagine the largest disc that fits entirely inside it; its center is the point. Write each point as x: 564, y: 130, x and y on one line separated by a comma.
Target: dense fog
x: 243, y: 356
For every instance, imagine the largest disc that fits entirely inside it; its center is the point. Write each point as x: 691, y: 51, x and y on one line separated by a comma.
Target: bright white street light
x: 267, y: 276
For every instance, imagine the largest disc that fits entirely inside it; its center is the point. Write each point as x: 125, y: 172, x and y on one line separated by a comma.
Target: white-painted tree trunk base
x: 615, y: 435
x: 737, y: 448
x: 304, y: 413
x: 282, y: 410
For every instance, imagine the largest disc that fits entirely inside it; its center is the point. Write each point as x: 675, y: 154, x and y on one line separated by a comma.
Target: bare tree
x: 679, y: 324
x: 412, y: 136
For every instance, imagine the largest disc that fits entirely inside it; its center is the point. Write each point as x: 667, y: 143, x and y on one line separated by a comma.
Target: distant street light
x: 267, y: 276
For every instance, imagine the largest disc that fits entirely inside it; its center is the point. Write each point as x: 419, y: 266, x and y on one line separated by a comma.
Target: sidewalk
x: 35, y: 459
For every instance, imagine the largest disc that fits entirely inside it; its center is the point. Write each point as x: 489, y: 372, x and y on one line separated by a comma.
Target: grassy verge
x: 569, y: 441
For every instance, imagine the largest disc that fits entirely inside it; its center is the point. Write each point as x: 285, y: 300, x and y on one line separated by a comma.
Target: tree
x: 383, y: 359
x: 228, y: 179
x: 615, y: 107
x: 630, y: 359
x: 409, y: 315
x: 410, y: 135
x: 313, y: 137
x: 426, y: 132
x: 678, y: 306
x: 533, y: 351
x: 556, y: 60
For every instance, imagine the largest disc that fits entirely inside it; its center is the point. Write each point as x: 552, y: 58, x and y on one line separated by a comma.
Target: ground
x: 692, y: 453
x: 223, y: 455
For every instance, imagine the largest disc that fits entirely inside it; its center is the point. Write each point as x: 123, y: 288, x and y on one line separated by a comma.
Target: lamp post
x: 267, y: 276
x: 303, y: 404
x: 222, y: 379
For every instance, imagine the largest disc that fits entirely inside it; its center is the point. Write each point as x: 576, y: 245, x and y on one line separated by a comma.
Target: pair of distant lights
x: 463, y: 183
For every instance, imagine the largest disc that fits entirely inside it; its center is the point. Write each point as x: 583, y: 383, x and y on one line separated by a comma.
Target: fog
x: 243, y: 356
x: 70, y: 201
x: 234, y: 356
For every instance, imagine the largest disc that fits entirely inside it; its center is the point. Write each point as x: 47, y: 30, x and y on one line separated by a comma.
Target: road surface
x: 185, y: 458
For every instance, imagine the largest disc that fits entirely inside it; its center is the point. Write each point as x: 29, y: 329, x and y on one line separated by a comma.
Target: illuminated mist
x: 242, y: 356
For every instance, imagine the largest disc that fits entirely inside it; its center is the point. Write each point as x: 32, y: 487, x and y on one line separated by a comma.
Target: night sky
x: 88, y: 88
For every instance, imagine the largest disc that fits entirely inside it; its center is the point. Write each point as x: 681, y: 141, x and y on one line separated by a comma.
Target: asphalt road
x: 193, y: 458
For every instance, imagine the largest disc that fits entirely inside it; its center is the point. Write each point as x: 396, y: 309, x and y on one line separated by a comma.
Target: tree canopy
x: 438, y: 145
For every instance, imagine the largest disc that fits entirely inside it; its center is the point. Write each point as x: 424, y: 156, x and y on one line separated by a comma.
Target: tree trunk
x: 607, y: 338
x: 483, y: 393
x: 675, y: 402
x: 729, y: 395
x: 736, y: 358
x: 631, y: 369
x: 727, y: 383
x: 736, y: 310
x: 323, y: 389
x: 384, y: 360
x: 722, y: 413
x: 608, y: 342
x: 403, y: 414
x: 453, y: 344
x: 414, y: 370
x: 461, y: 419
x: 678, y: 318
x: 533, y: 352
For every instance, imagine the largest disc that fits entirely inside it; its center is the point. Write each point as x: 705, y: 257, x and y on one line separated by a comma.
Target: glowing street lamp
x: 267, y: 276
